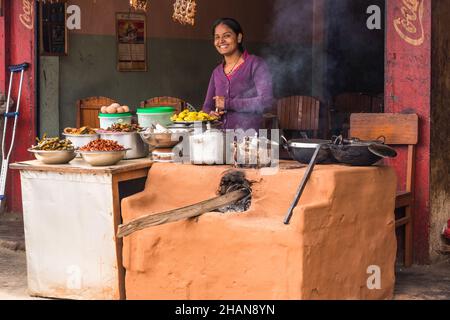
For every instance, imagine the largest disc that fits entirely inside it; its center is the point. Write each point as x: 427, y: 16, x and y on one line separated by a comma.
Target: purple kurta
x: 248, y: 94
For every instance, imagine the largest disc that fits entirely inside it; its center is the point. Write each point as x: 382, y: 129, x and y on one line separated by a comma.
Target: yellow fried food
x: 191, y: 116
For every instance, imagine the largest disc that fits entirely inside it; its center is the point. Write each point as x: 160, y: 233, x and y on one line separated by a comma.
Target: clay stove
x: 341, y: 228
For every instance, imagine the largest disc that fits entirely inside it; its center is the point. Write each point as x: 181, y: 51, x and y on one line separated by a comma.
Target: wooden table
x: 71, y: 215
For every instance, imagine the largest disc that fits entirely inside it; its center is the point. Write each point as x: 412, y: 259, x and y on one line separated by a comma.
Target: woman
x: 240, y: 89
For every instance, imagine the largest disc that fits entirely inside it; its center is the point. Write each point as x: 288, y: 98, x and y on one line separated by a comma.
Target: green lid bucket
x: 154, y: 110
x: 114, y: 115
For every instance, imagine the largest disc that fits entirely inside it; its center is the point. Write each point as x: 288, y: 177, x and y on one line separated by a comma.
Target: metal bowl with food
x: 53, y: 156
x: 103, y: 158
x: 162, y: 139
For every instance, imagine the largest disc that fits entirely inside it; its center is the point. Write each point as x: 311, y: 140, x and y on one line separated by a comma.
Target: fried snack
x: 102, y: 145
x: 53, y: 144
x: 81, y: 131
x: 189, y: 116
x: 124, y: 127
x: 184, y: 11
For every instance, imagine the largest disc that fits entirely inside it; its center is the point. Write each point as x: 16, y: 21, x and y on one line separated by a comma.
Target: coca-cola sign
x: 27, y: 15
x: 408, y: 22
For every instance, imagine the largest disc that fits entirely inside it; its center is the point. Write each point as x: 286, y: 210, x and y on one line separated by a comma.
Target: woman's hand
x: 220, y: 103
x: 220, y: 107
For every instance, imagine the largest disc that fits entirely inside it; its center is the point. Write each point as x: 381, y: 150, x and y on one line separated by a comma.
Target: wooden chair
x: 299, y: 113
x: 179, y: 104
x: 398, y: 129
x: 345, y: 104
x: 88, y: 110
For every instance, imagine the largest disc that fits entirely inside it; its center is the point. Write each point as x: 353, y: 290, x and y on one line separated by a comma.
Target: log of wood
x: 191, y: 211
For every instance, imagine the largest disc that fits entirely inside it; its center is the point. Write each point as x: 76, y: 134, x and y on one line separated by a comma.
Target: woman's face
x: 225, y: 40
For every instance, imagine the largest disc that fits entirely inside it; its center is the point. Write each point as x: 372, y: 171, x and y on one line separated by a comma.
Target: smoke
x: 289, y: 54
x: 348, y: 58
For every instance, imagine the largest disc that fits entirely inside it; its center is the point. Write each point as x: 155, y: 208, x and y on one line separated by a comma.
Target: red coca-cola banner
x: 408, y: 85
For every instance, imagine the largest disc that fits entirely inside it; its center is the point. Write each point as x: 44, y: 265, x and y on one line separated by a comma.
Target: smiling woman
x: 240, y: 89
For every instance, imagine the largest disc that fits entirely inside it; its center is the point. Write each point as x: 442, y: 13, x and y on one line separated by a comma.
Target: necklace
x: 234, y: 66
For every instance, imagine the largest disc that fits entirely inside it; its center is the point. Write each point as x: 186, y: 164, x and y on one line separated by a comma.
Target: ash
x: 231, y: 181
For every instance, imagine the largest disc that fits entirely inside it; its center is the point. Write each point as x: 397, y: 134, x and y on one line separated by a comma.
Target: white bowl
x: 80, y: 140
x: 103, y: 158
x: 54, y: 157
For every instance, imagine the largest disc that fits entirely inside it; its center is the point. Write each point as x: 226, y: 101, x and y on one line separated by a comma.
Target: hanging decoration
x: 184, y: 11
x: 139, y: 5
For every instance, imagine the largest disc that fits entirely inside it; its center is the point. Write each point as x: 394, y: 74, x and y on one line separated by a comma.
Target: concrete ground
x: 415, y: 283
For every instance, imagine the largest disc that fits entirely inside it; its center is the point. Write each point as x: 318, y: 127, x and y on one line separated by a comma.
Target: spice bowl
x: 103, y: 158
x: 54, y: 156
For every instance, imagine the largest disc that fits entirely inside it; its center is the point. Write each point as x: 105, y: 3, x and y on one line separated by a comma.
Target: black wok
x: 302, y: 150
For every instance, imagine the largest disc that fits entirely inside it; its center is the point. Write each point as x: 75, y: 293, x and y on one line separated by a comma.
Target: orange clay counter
x: 342, y: 230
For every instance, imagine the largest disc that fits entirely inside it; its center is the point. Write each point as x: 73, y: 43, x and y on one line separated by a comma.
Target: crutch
x: 5, y: 155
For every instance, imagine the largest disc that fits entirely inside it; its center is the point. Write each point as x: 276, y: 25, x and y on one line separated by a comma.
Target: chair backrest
x: 88, y: 110
x: 396, y: 128
x: 298, y: 113
x: 179, y: 104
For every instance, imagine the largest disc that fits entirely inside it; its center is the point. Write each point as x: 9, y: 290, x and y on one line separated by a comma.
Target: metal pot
x: 130, y: 140
x: 208, y: 148
x: 254, y: 152
x: 360, y: 153
x: 302, y: 150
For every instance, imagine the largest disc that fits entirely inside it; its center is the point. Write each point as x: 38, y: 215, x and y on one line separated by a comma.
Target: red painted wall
x: 17, y: 45
x: 3, y: 48
x: 408, y: 85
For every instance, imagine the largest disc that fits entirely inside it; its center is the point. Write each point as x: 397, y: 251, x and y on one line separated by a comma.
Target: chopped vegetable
x: 53, y: 144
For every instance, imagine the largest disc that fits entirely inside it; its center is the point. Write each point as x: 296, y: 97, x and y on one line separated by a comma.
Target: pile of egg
x: 115, y: 108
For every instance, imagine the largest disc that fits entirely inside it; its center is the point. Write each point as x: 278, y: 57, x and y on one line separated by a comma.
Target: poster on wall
x: 131, y: 42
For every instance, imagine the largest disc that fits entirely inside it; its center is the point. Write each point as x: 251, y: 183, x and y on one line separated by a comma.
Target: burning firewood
x: 235, y: 193
x: 235, y: 180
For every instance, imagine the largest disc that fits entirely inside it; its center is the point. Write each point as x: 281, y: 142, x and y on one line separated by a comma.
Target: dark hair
x: 233, y: 25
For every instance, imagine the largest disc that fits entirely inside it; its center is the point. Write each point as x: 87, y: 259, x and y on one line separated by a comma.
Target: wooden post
x: 407, y: 90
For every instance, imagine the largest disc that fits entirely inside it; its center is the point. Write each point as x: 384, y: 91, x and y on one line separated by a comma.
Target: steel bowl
x: 103, y: 158
x: 54, y: 157
x: 162, y: 140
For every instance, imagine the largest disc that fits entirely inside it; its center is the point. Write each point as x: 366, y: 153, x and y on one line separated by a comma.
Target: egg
x: 104, y: 109
x: 111, y: 109
x: 120, y: 110
x: 126, y: 109
x: 115, y: 105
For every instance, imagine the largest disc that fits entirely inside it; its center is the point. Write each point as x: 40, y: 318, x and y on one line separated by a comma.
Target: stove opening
x: 234, y: 180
